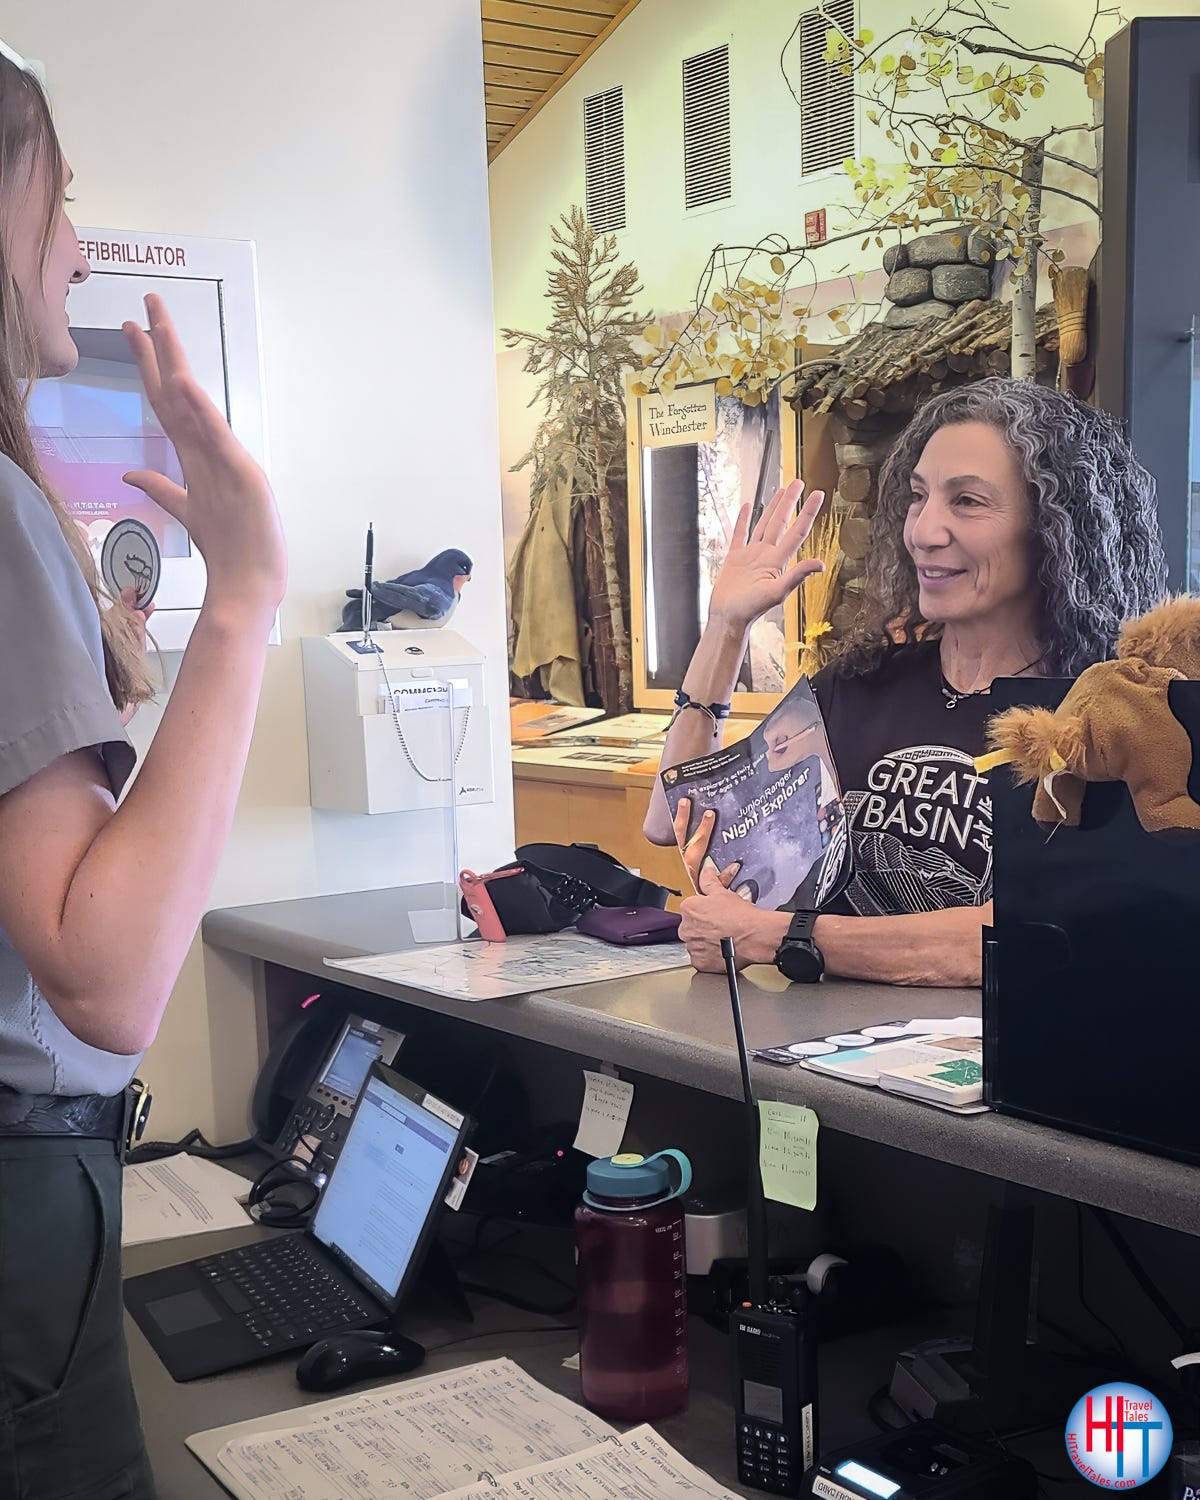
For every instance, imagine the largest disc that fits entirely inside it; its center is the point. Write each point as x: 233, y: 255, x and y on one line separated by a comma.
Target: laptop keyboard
x: 282, y: 1293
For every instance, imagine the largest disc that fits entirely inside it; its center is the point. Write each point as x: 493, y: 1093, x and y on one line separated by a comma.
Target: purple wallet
x: 630, y: 925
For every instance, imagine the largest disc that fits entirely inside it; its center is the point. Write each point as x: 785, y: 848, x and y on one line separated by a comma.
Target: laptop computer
x: 349, y: 1269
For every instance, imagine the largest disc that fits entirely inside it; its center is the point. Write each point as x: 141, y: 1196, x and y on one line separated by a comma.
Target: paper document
x: 628, y: 729
x: 179, y: 1195
x: 521, y: 966
x: 864, y: 1064
x: 956, y: 1026
x: 593, y: 757
x: 638, y: 1466
x: 606, y: 1105
x: 419, y: 1438
x: 838, y: 1046
x: 532, y: 722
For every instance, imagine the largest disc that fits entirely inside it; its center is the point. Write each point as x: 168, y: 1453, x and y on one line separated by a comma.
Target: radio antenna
x: 756, y: 1202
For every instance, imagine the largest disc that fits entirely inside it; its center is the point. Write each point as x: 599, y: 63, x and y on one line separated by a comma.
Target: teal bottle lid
x: 629, y: 1176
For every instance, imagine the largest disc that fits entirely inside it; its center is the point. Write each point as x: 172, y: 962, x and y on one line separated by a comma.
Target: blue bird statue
x: 421, y: 600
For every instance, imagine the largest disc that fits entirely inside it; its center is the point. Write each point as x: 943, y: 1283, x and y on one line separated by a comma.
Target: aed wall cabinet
x: 94, y: 425
x: 386, y: 722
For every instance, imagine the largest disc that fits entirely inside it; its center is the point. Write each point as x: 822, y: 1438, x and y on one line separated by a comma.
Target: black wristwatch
x: 798, y: 958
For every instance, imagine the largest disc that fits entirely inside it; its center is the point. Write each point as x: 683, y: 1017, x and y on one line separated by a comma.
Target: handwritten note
x: 606, y: 1105
x: 787, y: 1152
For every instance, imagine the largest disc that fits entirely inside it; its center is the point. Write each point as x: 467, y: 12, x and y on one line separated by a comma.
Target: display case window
x: 684, y: 502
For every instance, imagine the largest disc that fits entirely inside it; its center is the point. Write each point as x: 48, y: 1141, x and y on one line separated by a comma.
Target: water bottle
x: 629, y: 1248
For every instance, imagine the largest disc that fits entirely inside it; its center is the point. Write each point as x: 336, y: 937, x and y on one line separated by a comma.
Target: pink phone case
x: 479, y: 903
x: 630, y: 926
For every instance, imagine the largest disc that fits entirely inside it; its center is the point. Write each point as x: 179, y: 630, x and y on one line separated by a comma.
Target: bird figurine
x: 421, y: 600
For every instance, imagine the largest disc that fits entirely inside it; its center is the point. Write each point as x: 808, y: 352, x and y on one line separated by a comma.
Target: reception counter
x: 676, y: 1026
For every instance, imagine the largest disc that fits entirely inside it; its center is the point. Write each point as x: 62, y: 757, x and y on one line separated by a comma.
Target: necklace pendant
x: 951, y: 700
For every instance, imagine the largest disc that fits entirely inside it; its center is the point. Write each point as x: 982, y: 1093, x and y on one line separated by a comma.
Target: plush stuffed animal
x: 421, y: 600
x: 1115, y: 724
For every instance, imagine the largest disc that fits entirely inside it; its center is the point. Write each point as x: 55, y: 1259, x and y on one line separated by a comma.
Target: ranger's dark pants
x: 69, y: 1427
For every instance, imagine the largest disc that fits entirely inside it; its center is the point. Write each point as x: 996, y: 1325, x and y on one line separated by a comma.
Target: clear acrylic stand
x: 443, y: 923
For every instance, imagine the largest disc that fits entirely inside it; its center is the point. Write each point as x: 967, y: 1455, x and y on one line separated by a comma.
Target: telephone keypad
x: 766, y: 1460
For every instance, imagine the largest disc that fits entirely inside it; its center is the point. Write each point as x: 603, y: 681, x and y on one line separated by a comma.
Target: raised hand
x: 227, y: 505
x: 759, y: 572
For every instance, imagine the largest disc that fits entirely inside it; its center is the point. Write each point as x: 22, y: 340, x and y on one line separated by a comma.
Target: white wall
x: 541, y: 173
x: 348, y: 142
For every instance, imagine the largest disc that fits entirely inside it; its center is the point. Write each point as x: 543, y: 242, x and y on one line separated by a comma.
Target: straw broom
x: 1070, y: 284
x: 816, y: 599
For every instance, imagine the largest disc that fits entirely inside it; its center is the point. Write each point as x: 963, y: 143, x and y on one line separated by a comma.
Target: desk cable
x: 276, y: 1175
x: 1139, y: 1273
x: 500, y: 1333
x: 501, y: 1294
x: 192, y: 1144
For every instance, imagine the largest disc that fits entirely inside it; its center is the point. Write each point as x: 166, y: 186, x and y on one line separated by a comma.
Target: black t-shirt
x: 919, y: 814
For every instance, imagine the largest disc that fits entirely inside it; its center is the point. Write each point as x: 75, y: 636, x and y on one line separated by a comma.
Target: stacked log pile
x: 892, y: 369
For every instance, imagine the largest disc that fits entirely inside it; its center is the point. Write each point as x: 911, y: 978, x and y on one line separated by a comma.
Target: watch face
x: 801, y: 962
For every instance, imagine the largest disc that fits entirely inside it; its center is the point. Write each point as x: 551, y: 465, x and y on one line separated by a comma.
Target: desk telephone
x: 310, y: 1083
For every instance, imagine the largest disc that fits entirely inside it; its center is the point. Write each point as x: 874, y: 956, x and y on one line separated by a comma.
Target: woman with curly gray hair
x: 1014, y: 533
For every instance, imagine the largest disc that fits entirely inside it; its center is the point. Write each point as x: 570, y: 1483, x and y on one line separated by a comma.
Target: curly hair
x: 1095, y: 523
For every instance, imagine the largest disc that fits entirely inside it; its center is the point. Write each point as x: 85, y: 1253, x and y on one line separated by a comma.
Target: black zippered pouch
x: 558, y: 883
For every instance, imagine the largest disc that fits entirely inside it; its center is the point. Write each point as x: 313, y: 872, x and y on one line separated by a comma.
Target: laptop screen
x: 388, y: 1182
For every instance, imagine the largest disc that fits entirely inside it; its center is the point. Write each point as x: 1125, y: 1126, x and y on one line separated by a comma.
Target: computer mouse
x: 333, y: 1363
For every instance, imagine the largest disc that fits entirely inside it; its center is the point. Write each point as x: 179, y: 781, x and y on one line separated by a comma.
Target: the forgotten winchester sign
x: 672, y: 418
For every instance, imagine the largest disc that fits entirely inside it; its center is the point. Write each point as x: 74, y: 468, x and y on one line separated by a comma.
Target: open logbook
x: 487, y: 1430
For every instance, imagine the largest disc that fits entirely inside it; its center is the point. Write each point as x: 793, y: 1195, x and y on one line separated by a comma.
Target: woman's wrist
x: 766, y: 932
x: 713, y: 670
x: 826, y: 931
x: 725, y: 630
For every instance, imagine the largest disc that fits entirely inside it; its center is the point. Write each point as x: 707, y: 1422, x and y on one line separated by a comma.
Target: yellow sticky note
x: 787, y: 1152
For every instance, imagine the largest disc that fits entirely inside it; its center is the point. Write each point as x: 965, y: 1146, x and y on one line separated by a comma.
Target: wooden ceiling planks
x: 531, y: 48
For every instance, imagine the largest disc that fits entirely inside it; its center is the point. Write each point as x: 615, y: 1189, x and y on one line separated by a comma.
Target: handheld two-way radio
x: 774, y: 1346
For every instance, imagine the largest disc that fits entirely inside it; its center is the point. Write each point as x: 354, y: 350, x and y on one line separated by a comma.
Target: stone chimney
x: 929, y: 276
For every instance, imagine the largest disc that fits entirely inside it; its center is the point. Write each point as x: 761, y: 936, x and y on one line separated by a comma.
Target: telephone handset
x: 310, y: 1083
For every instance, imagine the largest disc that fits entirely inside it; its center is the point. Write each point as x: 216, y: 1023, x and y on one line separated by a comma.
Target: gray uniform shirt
x: 54, y: 699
